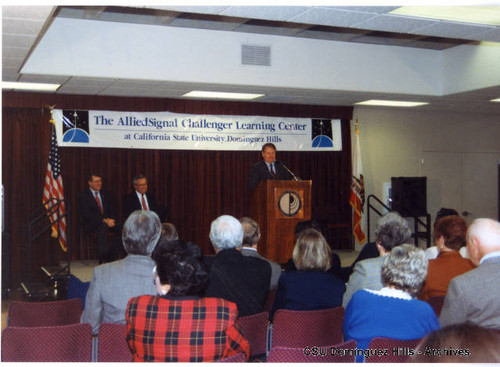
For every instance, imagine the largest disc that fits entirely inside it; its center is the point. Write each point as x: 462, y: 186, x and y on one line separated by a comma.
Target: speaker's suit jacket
x: 112, y: 285
x: 259, y: 172
x: 131, y: 203
x: 90, y: 211
x: 474, y: 296
x: 366, y: 275
x: 275, y: 267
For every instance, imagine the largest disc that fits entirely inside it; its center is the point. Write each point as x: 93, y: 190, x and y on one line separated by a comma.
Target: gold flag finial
x: 51, y: 107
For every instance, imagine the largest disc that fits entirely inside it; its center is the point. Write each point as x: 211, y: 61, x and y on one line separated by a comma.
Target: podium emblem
x: 289, y: 203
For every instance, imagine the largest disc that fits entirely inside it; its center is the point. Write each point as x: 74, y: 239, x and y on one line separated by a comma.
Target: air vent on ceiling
x: 255, y: 55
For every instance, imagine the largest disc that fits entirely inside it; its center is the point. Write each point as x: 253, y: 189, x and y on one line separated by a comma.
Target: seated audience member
x: 113, y: 284
x: 243, y: 280
x: 311, y: 286
x: 475, y: 296
x: 392, y: 230
x: 449, y: 234
x: 369, y: 251
x: 251, y: 237
x: 459, y: 343
x: 179, y: 325
x: 302, y: 226
x: 169, y: 231
x: 432, y: 252
x: 392, y: 312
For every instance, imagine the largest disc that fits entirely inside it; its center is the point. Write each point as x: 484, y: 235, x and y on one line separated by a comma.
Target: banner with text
x: 166, y: 130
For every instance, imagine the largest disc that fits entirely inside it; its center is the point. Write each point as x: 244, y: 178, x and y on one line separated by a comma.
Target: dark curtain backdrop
x: 196, y: 186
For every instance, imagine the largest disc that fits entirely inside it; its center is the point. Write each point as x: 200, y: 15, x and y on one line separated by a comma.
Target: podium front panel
x: 278, y: 206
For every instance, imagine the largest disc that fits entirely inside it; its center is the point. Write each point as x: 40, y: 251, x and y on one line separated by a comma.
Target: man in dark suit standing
x: 141, y: 199
x: 98, y: 217
x: 269, y: 168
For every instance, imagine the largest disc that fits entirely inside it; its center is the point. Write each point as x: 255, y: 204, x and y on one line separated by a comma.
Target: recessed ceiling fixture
x: 30, y: 86
x: 378, y: 102
x: 487, y: 15
x: 495, y: 100
x: 222, y: 95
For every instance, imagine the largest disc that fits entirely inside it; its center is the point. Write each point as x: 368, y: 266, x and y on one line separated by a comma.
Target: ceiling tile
x: 282, y: 13
x: 492, y: 35
x: 27, y: 12
x: 325, y: 16
x: 452, y: 30
x: 365, y: 9
x: 22, y: 26
x: 191, y: 9
x: 10, y: 40
x: 394, y: 23
x: 16, y: 52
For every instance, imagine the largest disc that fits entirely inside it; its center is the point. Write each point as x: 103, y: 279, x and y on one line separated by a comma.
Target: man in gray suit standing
x: 475, y: 296
x: 251, y: 237
x: 113, y: 284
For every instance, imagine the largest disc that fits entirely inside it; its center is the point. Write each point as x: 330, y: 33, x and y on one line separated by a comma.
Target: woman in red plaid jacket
x: 180, y: 325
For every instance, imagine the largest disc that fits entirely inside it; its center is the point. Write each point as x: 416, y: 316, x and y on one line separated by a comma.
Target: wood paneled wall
x: 196, y: 186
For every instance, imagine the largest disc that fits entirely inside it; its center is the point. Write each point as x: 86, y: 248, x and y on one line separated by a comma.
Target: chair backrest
x: 112, y: 344
x: 254, y: 328
x: 53, y: 313
x: 237, y: 358
x: 436, y: 303
x: 339, y: 353
x: 301, y: 328
x: 66, y: 343
x: 268, y: 304
x: 398, y: 351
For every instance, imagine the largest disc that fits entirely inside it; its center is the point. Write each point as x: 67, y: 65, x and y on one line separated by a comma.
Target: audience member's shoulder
x: 208, y: 260
x: 371, y: 262
x: 219, y: 302
x: 256, y: 261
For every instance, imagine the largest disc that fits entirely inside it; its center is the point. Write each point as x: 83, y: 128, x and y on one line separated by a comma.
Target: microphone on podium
x: 285, y: 167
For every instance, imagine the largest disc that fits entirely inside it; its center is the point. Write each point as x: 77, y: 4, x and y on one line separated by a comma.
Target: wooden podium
x: 277, y: 206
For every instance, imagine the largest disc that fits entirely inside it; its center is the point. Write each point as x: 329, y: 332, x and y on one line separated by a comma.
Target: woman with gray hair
x: 392, y: 230
x: 398, y: 314
x: 113, y: 284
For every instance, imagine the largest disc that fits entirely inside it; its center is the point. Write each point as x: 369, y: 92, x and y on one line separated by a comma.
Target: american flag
x: 54, y: 189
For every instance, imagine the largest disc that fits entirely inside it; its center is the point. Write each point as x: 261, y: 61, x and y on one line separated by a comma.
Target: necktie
x: 273, y: 174
x: 144, y: 207
x: 99, y: 202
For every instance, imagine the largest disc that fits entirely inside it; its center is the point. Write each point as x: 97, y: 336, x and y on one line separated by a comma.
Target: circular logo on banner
x: 289, y: 203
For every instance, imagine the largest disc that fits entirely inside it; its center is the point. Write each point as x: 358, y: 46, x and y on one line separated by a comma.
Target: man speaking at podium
x: 269, y: 168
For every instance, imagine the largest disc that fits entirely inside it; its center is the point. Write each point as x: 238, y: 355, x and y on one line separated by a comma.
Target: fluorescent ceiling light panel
x: 30, y: 86
x: 487, y: 15
x: 221, y: 95
x: 495, y: 100
x: 378, y: 102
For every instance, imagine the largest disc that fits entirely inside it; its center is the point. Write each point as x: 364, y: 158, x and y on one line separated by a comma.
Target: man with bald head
x: 475, y: 296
